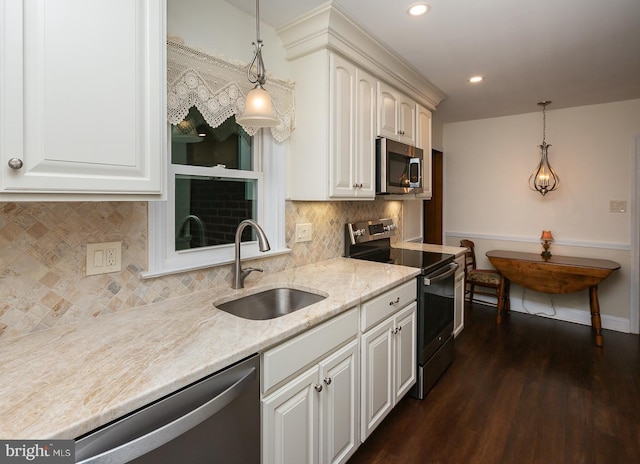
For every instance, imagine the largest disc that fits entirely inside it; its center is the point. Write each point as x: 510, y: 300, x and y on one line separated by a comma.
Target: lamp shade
x: 546, y: 235
x: 258, y: 110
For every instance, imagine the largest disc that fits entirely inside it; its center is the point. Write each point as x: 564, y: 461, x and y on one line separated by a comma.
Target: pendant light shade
x: 258, y: 109
x: 544, y: 179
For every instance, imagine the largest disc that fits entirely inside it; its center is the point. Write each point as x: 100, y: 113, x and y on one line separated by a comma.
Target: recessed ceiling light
x: 476, y: 79
x: 418, y: 9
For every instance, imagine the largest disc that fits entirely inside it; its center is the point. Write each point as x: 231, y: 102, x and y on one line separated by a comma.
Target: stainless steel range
x: 371, y: 241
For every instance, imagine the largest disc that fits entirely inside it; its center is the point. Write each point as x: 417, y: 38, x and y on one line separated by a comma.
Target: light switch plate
x: 103, y: 258
x: 617, y: 206
x: 303, y: 232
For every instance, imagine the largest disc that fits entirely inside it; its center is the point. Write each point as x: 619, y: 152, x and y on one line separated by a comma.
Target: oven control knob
x: 358, y: 232
x: 389, y: 228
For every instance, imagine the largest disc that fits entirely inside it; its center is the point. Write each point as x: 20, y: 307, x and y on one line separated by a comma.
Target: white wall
x: 487, y: 166
x: 214, y: 26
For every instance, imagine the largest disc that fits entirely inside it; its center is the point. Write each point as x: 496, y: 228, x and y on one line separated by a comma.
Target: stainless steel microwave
x: 398, y: 167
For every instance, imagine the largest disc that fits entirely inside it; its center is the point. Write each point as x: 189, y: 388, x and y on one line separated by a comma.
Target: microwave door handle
x: 441, y: 274
x: 417, y: 162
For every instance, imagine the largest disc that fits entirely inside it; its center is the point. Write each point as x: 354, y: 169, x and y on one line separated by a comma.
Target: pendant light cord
x: 259, y: 78
x: 544, y: 124
x: 258, y: 20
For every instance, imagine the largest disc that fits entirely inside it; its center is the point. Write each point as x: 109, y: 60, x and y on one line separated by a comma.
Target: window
x: 217, y: 177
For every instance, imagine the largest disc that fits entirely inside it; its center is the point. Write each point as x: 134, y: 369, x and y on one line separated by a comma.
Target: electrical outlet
x: 103, y: 258
x: 303, y: 232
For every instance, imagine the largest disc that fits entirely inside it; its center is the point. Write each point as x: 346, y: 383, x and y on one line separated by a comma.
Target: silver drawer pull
x: 15, y: 163
x: 397, y: 300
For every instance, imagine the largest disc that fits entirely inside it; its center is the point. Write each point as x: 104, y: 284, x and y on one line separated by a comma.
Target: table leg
x: 501, y: 301
x: 596, y: 322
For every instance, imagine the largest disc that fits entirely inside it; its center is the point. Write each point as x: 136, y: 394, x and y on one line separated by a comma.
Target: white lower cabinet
x: 388, y: 353
x: 314, y: 417
x: 458, y: 297
x: 388, y: 357
x: 325, y: 390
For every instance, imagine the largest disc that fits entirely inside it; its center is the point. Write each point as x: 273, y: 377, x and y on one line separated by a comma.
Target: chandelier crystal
x: 544, y: 179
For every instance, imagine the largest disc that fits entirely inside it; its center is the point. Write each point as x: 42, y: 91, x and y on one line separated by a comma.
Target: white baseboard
x: 576, y: 316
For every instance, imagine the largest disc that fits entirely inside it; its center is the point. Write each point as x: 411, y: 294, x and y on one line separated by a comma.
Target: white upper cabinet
x: 332, y: 151
x: 396, y: 115
x: 336, y: 66
x: 82, y: 91
x: 353, y: 116
x: 423, y: 140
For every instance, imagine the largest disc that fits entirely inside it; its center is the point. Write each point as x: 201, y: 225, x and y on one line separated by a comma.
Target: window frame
x: 269, y: 172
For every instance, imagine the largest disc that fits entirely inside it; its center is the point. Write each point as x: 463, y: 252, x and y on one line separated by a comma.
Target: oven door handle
x: 441, y: 274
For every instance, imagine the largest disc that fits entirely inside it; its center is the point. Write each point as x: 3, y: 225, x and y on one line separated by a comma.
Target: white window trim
x: 269, y: 162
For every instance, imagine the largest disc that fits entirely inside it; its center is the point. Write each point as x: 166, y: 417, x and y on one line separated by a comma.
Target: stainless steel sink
x: 270, y: 304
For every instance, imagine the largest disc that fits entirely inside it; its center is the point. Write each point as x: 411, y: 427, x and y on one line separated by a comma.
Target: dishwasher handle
x: 164, y: 434
x: 441, y: 274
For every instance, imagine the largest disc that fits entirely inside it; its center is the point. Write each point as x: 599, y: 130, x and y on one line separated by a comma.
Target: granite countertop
x: 454, y: 250
x: 66, y: 381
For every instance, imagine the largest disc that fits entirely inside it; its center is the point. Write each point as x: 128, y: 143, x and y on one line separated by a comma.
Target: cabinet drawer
x: 383, y: 306
x: 286, y: 359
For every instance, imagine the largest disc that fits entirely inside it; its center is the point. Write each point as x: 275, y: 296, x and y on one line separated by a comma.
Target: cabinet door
x: 458, y: 297
x: 387, y: 111
x: 290, y: 422
x: 406, y: 120
x: 405, y: 350
x: 377, y: 376
x: 83, y: 104
x: 340, y: 408
x: 343, y: 76
x: 423, y: 140
x: 365, y: 135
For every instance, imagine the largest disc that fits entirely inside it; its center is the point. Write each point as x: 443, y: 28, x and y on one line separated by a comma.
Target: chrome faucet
x: 238, y: 273
x: 201, y: 228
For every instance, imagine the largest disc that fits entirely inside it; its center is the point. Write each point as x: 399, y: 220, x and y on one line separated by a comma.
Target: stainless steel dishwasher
x: 214, y: 420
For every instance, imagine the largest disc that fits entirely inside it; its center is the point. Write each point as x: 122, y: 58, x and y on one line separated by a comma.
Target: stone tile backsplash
x: 43, y: 255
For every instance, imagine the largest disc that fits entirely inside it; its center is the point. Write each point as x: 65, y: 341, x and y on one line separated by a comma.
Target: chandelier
x: 544, y: 179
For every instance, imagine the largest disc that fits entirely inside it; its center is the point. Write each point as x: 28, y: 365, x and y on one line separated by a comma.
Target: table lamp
x: 546, y: 238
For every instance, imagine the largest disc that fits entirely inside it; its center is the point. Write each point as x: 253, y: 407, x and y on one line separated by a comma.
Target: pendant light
x: 544, y: 179
x: 258, y: 110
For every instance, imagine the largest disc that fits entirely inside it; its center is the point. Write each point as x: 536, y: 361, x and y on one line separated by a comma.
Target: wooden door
x: 433, y: 208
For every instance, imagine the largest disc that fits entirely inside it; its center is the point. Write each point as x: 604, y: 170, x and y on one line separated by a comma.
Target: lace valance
x: 217, y: 87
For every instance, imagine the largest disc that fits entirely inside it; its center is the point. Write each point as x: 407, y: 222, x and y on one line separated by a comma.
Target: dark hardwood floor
x: 530, y: 390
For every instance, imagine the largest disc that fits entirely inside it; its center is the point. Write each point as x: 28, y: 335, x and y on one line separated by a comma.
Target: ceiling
x: 572, y: 52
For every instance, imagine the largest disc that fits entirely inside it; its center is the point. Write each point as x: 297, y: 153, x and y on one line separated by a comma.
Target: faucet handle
x: 250, y: 269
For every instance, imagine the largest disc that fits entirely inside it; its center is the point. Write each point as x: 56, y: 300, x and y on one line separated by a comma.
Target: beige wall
x: 214, y: 26
x: 488, y: 163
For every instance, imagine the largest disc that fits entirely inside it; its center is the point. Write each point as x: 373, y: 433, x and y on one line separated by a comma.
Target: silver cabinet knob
x: 327, y: 380
x: 15, y: 163
x: 318, y: 387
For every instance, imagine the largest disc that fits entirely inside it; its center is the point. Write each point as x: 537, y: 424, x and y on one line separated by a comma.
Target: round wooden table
x: 558, y: 274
